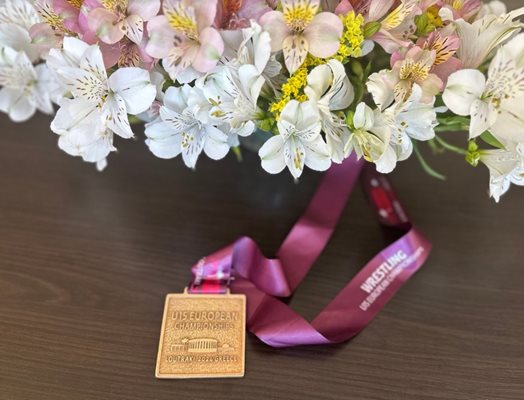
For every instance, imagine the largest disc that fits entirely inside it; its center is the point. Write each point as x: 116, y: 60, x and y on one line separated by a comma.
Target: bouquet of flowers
x: 311, y: 81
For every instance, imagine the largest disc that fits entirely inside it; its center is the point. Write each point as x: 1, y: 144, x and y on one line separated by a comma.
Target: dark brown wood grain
x: 86, y: 259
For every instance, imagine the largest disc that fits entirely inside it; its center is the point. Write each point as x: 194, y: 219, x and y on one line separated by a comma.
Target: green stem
x: 450, y: 147
x: 429, y: 170
x: 451, y: 128
x: 238, y: 153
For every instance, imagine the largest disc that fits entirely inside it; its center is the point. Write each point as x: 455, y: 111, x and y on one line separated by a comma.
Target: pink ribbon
x: 242, y: 266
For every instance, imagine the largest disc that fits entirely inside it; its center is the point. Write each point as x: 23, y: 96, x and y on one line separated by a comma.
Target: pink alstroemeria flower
x: 445, y: 44
x: 113, y: 20
x: 119, y: 27
x: 236, y: 14
x: 299, y: 29
x: 414, y: 68
x: 184, y: 37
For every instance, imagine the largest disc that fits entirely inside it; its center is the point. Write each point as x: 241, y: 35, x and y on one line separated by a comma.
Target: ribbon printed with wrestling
x: 242, y: 268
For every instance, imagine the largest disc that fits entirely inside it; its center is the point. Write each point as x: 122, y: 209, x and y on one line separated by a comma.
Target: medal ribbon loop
x: 242, y: 266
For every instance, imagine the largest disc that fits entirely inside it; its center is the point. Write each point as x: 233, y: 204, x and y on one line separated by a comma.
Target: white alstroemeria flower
x: 25, y: 88
x: 480, y: 38
x: 495, y: 104
x: 184, y: 127
x: 16, y: 19
x: 82, y: 133
x: 505, y: 167
x: 330, y: 90
x: 250, y: 46
x: 234, y: 95
x: 299, y: 142
x: 371, y: 138
x: 408, y: 120
x: 105, y: 101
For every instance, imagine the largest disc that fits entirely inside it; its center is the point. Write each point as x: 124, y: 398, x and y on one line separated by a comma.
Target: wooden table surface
x: 86, y: 259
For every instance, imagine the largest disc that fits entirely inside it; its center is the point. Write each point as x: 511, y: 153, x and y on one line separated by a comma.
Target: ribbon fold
x: 242, y: 267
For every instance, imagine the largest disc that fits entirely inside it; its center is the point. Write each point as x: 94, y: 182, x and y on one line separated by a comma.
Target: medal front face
x: 203, y: 336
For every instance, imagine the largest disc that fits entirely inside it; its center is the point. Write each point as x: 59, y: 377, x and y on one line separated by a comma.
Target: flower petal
x: 106, y: 25
x: 146, y: 9
x: 115, y: 113
x: 387, y: 161
x: 211, y: 48
x: 319, y: 81
x: 216, y: 145
x: 72, y: 113
x: 274, y: 23
x: 483, y: 116
x: 308, y: 122
x: 464, y: 87
x: 509, y: 126
x: 16, y: 104
x: 192, y: 146
x: 135, y: 87
x: 134, y: 28
x: 364, y: 118
x: 205, y: 11
x: 295, y: 51
x: 294, y: 156
x: 342, y: 93
x: 272, y: 155
x: 381, y: 86
x: 162, y: 140
x: 160, y: 33
x: 176, y: 97
x: 323, y: 34
x: 317, y: 154
x: 337, y: 135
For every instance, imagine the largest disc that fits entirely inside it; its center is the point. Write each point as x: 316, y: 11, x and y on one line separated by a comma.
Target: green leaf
x: 491, y: 140
x: 425, y: 166
x: 356, y: 68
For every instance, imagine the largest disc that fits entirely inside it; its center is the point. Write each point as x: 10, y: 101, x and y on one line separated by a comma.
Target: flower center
x: 298, y: 158
x: 299, y: 16
x: 443, y: 47
x: 18, y: 76
x: 455, y: 4
x: 182, y: 19
x: 117, y: 6
x: 365, y: 143
x: 414, y: 72
x: 187, y: 140
x: 129, y: 55
x: 75, y: 3
x: 51, y: 18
